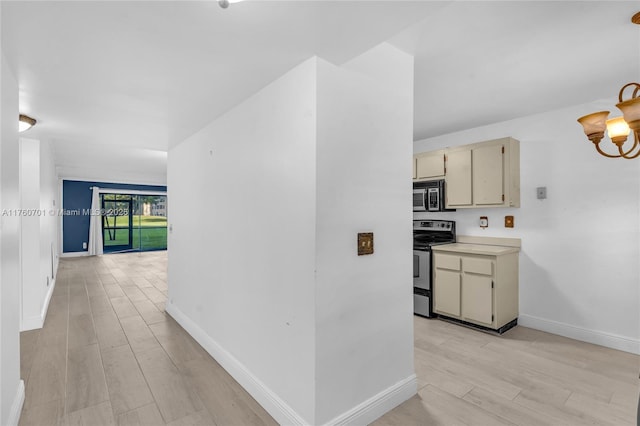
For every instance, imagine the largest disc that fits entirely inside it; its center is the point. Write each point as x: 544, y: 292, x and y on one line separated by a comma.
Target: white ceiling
x: 114, y: 84
x: 483, y: 62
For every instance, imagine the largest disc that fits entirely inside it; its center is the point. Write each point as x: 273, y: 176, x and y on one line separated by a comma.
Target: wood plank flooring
x: 109, y: 355
x: 525, y: 377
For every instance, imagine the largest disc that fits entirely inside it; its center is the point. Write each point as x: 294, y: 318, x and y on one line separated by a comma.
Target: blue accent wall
x: 76, y: 195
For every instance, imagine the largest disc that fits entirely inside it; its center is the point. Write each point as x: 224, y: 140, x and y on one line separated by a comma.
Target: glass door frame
x: 104, y: 215
x: 134, y: 202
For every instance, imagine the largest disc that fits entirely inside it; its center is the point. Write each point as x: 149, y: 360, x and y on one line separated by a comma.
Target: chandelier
x: 618, y: 128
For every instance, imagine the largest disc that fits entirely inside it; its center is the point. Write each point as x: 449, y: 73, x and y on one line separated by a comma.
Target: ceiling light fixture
x: 25, y: 122
x: 618, y: 128
x: 225, y: 3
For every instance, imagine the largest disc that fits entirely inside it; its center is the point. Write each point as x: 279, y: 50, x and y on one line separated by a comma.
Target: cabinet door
x: 488, y: 175
x: 458, y: 179
x: 414, y: 167
x: 477, y: 299
x: 446, y: 293
x: 430, y: 165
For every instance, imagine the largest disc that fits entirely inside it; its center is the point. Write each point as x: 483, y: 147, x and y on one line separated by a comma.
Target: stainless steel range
x: 427, y: 233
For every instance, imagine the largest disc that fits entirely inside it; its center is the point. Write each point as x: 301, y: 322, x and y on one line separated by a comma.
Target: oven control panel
x: 433, y: 225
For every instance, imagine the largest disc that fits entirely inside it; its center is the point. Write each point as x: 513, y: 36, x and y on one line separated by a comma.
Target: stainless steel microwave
x: 429, y: 196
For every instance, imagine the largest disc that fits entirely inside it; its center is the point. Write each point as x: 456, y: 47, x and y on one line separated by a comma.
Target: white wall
x: 39, y: 232
x: 32, y: 288
x: 579, y: 269
x: 12, y: 388
x: 241, y: 253
x: 267, y: 202
x: 364, y: 304
x: 49, y: 224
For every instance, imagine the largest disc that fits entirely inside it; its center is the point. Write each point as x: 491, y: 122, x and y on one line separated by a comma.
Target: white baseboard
x: 269, y: 400
x: 376, y: 406
x: 364, y: 413
x: 590, y: 336
x: 37, y: 321
x: 45, y: 307
x: 75, y: 254
x: 32, y: 323
x: 16, y: 407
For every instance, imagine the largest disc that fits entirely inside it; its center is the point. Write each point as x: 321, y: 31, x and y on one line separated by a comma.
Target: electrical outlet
x: 84, y: 246
x: 508, y: 221
x: 484, y: 222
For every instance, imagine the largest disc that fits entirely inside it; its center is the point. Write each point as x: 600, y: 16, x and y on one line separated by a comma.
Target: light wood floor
x: 108, y: 354
x: 524, y: 377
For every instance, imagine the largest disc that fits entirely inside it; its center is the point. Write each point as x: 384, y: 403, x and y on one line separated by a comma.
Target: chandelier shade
x: 594, y: 125
x: 631, y: 111
x: 618, y: 129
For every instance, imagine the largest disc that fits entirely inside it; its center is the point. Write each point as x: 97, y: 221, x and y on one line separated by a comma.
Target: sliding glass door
x: 117, y: 222
x: 134, y: 222
x: 150, y: 223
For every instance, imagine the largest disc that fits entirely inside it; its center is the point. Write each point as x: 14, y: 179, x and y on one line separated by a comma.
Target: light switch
x: 365, y: 243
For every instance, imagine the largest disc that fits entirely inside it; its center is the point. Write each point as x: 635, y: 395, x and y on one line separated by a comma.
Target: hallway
x: 108, y: 354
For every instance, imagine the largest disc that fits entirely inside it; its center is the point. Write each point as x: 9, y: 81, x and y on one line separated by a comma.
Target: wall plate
x: 508, y: 222
x: 365, y: 243
x: 541, y: 192
x: 484, y: 222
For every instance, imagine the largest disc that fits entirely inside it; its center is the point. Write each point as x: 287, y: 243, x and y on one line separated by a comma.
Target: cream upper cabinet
x: 414, y: 167
x: 485, y: 174
x: 480, y: 289
x: 428, y: 165
x: 459, y: 179
x: 488, y: 175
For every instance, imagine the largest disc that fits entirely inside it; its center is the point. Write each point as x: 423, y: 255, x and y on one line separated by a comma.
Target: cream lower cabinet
x: 478, y: 289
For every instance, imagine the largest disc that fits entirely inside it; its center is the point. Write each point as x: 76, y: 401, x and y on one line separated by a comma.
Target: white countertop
x: 486, y: 249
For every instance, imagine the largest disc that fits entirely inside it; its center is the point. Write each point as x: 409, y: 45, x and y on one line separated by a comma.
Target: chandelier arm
x: 635, y: 91
x: 626, y: 155
x: 604, y: 153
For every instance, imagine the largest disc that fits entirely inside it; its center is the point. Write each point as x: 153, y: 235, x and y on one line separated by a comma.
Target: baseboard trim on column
x: 269, y: 400
x: 376, y: 406
x: 16, y: 407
